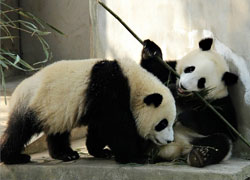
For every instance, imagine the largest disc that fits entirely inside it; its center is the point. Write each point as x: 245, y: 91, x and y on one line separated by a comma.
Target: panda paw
x: 67, y: 156
x: 150, y: 49
x: 17, y: 159
x: 201, y: 156
x: 105, y: 153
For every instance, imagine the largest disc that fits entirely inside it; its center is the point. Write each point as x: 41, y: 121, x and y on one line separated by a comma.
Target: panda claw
x: 150, y: 49
x: 107, y: 153
x: 67, y: 156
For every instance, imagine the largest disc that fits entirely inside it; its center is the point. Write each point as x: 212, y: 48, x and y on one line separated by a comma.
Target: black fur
x: 107, y: 114
x: 229, y: 78
x: 109, y: 117
x: 149, y: 52
x: 206, y: 44
x: 209, y: 150
x: 204, y: 121
x: 59, y: 147
x: 199, y: 119
x: 22, y: 125
x: 155, y: 99
x: 201, y: 83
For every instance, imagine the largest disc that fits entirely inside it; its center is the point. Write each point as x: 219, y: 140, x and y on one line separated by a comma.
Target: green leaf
x: 8, y: 37
x: 17, y: 59
x: 55, y: 29
x: 3, y: 64
x: 3, y: 83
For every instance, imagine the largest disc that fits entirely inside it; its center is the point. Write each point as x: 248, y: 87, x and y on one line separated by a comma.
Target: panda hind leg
x: 22, y: 125
x: 209, y: 150
x: 59, y: 147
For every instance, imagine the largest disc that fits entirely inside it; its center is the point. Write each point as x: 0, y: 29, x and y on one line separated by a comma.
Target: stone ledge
x: 100, y: 169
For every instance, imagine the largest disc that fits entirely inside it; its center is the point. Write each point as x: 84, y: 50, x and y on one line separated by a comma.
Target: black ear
x: 229, y: 78
x: 154, y: 98
x: 206, y: 44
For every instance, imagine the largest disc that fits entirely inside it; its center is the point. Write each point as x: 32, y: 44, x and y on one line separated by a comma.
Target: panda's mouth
x: 182, y: 91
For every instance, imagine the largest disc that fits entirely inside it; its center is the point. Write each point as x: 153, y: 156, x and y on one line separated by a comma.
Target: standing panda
x: 115, y: 99
x: 199, y: 133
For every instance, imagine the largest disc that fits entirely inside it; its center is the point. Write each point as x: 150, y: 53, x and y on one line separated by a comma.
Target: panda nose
x: 182, y: 87
x: 169, y: 142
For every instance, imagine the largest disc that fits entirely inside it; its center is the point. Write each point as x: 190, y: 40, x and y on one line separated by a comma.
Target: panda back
x: 59, y: 96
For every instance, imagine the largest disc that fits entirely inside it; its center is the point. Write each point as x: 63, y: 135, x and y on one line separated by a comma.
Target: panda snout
x: 169, y: 141
x: 182, y: 87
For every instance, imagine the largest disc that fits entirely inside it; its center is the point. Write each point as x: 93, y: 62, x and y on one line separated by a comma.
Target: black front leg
x: 150, y: 50
x: 96, y: 142
x: 59, y: 147
x: 149, y: 61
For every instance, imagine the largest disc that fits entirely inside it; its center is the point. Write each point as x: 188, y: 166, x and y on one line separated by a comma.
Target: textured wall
x: 71, y: 17
x: 177, y: 26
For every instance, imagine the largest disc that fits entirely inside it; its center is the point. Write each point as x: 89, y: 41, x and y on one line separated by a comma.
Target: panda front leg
x: 96, y: 144
x: 59, y: 147
x: 149, y: 61
x: 210, y: 150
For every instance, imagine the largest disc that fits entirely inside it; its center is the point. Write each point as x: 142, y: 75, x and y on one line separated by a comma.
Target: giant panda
x: 125, y: 108
x: 200, y: 135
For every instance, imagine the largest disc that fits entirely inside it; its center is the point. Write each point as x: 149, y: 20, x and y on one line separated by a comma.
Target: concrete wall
x: 71, y: 17
x: 177, y: 26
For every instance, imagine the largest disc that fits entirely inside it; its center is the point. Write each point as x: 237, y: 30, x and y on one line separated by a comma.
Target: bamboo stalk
x: 177, y: 75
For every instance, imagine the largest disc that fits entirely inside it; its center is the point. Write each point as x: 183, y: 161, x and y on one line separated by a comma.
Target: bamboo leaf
x: 3, y: 83
x: 6, y: 5
x: 6, y: 16
x: 17, y: 59
x: 8, y: 37
x: 3, y: 64
x: 55, y: 29
x: 31, y: 16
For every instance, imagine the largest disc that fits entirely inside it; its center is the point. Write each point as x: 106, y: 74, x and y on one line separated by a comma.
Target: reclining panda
x: 124, y: 106
x: 200, y: 134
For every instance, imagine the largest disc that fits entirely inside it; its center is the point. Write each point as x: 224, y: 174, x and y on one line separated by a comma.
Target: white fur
x: 181, y: 145
x: 229, y: 154
x: 147, y: 117
x: 56, y: 94
x: 240, y: 63
x: 59, y: 96
x: 208, y: 64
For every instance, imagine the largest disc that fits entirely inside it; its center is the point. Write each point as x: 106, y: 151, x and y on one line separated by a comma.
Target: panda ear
x: 206, y: 44
x: 229, y: 78
x: 154, y: 99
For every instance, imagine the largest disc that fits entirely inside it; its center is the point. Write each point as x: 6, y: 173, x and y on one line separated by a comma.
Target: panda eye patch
x: 161, y: 125
x: 201, y: 83
x: 189, y: 69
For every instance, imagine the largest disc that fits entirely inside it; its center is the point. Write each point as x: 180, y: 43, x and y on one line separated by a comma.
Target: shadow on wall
x: 70, y: 17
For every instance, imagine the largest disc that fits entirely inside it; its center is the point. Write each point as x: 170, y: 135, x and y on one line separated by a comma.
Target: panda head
x: 156, y: 117
x: 204, y: 68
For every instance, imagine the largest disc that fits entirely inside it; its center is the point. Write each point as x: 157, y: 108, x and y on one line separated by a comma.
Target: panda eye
x: 189, y: 69
x: 161, y: 125
x: 201, y: 83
